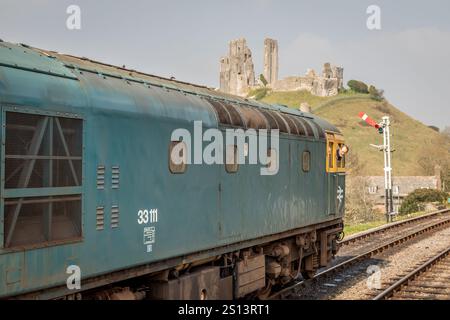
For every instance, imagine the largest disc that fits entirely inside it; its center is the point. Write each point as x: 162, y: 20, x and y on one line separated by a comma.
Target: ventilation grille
x: 319, y: 130
x: 100, y: 216
x: 114, y: 216
x: 308, y: 129
x: 115, y: 177
x: 101, y: 177
x: 41, y: 153
x: 247, y: 116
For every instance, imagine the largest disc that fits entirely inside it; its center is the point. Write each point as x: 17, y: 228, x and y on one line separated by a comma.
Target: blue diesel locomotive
x: 92, y: 205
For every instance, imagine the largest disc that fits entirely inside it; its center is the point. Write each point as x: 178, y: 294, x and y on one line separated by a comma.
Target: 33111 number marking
x: 145, y: 216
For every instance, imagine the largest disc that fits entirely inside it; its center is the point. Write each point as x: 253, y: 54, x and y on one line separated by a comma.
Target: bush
x: 259, y: 93
x: 358, y: 86
x: 263, y: 79
x: 434, y: 128
x: 376, y: 94
x: 413, y: 202
x: 383, y: 107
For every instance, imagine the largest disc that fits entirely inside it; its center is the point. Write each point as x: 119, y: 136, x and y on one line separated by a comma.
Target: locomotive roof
x: 64, y: 65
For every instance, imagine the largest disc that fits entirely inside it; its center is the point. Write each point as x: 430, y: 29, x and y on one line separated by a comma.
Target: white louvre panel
x: 100, y: 217
x: 101, y: 177
x: 114, y: 216
x: 115, y: 177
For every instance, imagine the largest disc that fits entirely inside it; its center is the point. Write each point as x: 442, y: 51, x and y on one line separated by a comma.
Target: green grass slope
x: 412, y: 140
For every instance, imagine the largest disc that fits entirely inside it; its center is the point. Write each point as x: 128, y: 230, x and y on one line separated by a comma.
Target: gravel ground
x: 366, y: 279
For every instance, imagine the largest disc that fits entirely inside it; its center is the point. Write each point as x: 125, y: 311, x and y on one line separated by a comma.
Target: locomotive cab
x: 336, y: 173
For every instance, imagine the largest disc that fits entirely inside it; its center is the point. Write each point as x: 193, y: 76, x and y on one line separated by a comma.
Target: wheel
x: 308, y: 274
x: 264, y: 293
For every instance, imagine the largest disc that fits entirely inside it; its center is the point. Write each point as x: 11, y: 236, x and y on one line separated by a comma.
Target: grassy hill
x: 416, y: 145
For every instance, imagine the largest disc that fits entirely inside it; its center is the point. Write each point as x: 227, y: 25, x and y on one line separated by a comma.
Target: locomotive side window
x: 306, y: 161
x: 231, y: 161
x: 272, y: 156
x: 42, y: 179
x: 177, y: 157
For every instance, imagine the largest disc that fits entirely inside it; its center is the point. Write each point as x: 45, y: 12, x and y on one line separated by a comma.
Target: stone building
x: 237, y: 74
x: 402, y: 186
x: 271, y: 61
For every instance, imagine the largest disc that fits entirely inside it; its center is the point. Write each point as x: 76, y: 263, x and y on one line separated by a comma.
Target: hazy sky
x: 409, y: 57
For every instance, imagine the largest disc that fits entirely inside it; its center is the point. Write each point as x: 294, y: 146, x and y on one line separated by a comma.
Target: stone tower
x: 271, y: 61
x: 338, y: 73
x: 327, y: 72
x: 237, y: 74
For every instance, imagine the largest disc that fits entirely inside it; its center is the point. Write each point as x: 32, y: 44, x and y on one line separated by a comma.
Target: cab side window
x: 330, y: 152
x: 340, y: 159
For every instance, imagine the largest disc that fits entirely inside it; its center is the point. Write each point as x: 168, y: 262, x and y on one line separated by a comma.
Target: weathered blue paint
x: 128, y: 121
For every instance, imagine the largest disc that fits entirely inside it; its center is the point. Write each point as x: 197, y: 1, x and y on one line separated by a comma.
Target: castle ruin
x: 237, y: 75
x: 237, y: 72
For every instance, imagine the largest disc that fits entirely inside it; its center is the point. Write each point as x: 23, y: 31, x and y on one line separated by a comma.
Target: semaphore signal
x: 371, y: 122
x: 383, y: 128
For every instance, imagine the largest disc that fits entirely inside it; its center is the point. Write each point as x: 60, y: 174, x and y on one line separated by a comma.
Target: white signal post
x: 389, y: 200
x: 384, y: 127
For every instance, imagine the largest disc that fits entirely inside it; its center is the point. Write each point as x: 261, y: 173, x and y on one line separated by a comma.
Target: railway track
x: 359, y: 243
x: 431, y: 280
x: 396, y: 226
x: 365, y: 245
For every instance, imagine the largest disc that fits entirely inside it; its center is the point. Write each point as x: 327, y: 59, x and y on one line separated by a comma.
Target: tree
x: 354, y: 166
x: 446, y: 131
x: 358, y: 86
x: 376, y: 94
x: 434, y: 128
x: 431, y: 158
x: 263, y: 79
x: 359, y: 206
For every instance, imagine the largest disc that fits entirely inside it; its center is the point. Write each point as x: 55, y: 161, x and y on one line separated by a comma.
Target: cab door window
x: 340, y: 159
x: 330, y: 155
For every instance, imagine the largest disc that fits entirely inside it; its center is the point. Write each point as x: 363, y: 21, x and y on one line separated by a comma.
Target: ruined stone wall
x: 328, y: 84
x: 294, y: 84
x: 237, y: 74
x: 271, y: 61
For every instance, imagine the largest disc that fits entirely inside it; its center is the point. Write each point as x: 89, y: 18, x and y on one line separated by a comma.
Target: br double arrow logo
x: 340, y: 194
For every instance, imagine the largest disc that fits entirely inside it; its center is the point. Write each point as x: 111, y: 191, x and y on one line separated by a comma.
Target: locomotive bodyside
x: 108, y: 203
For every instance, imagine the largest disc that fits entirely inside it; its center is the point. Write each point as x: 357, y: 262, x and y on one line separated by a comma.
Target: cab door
x: 335, y: 175
x: 340, y: 178
x: 332, y: 179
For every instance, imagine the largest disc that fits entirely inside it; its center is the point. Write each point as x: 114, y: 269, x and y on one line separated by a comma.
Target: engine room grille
x: 115, y: 176
x: 114, y: 216
x: 42, y: 178
x: 100, y: 177
x: 100, y: 218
